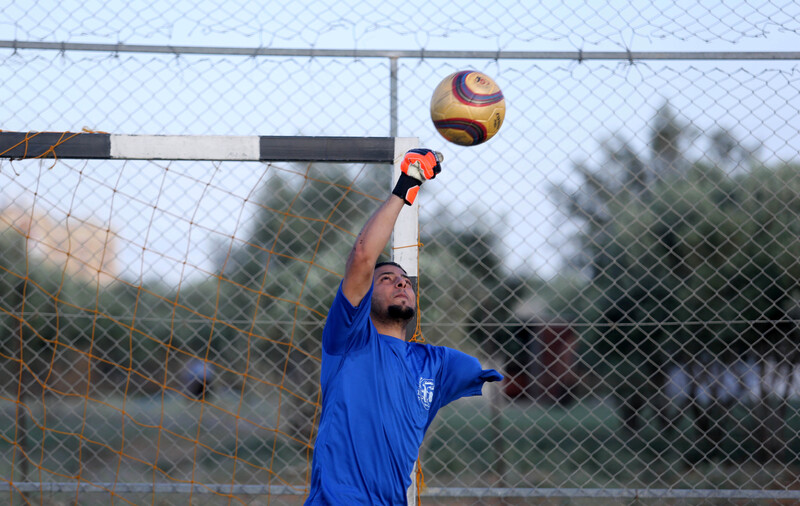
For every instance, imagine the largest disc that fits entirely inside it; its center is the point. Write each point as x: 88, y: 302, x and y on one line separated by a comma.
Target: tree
x: 469, y: 291
x: 689, y: 265
x: 12, y: 278
x: 467, y: 288
x: 616, y: 348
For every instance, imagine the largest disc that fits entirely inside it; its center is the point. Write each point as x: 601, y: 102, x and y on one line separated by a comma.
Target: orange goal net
x: 161, y: 306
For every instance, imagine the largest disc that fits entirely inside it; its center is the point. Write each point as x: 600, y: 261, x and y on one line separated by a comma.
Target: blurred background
x: 625, y: 250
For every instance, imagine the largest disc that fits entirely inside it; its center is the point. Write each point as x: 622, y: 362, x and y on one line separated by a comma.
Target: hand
x: 422, y: 164
x: 417, y: 166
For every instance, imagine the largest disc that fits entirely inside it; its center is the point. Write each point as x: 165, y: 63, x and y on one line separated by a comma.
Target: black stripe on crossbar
x: 54, y: 145
x: 327, y: 149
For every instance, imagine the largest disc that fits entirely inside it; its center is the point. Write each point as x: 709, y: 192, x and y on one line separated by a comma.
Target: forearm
x: 369, y: 245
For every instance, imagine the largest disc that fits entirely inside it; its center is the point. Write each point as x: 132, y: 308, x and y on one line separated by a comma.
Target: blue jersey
x: 379, y: 395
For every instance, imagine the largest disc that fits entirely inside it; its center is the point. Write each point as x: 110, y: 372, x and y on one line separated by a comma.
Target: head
x: 393, y: 298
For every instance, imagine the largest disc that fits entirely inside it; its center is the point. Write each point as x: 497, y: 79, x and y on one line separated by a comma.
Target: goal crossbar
x: 80, y: 145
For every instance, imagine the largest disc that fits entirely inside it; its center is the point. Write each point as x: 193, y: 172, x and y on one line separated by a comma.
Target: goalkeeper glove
x: 418, y: 165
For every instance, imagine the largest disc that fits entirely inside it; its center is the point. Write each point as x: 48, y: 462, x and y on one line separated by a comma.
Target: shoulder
x: 435, y: 349
x: 426, y: 349
x: 451, y: 353
x: 341, y: 308
x: 342, y: 300
x: 445, y: 357
x: 347, y: 327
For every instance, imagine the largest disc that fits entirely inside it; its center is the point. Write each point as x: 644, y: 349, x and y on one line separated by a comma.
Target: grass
x: 176, y: 440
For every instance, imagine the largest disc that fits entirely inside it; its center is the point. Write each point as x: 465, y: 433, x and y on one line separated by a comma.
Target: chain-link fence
x: 626, y: 249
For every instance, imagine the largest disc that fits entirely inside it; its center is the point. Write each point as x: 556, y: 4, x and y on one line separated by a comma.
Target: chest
x: 392, y: 381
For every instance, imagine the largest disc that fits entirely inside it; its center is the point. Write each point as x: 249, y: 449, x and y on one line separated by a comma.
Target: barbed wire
x: 360, y: 23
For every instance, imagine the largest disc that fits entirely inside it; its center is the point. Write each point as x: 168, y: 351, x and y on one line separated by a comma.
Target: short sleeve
x: 462, y: 376
x: 340, y: 333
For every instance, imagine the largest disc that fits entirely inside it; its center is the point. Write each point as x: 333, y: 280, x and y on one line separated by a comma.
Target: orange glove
x: 418, y: 165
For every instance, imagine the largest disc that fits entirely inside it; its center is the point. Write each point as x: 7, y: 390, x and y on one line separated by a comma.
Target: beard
x: 397, y: 312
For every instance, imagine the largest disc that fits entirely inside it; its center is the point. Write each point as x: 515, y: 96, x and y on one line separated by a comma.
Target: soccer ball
x: 467, y: 108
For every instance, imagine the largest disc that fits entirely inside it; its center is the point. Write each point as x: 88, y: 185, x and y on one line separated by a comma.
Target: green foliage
x: 700, y: 260
x: 274, y: 287
x: 467, y: 289
x: 695, y: 255
x: 12, y: 279
x: 269, y: 286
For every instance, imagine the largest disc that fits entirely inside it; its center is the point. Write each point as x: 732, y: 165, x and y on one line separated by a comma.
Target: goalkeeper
x: 379, y: 392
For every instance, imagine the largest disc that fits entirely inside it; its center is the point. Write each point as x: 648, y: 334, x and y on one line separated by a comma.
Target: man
x: 379, y: 392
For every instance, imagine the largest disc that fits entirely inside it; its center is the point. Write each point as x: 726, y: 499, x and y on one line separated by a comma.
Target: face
x: 392, y: 296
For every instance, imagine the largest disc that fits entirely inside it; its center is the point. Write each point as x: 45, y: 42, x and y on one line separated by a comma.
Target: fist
x: 418, y: 165
x: 422, y: 164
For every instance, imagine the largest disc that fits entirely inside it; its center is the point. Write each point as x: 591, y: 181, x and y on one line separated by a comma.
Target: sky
x: 400, y: 24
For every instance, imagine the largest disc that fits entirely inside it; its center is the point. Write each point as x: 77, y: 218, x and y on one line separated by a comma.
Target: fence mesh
x: 162, y: 321
x: 625, y: 250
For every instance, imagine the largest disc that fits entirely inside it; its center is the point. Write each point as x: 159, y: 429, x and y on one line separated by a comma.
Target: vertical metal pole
x: 22, y: 390
x: 393, y: 96
x: 496, y: 424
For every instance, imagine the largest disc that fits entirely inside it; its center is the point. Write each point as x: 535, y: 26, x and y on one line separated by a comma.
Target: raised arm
x: 369, y: 244
x: 418, y: 165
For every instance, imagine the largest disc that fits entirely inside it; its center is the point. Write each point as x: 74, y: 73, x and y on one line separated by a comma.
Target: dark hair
x: 379, y: 264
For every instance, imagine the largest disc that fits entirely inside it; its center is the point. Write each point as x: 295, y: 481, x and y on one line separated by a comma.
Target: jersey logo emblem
x: 425, y: 392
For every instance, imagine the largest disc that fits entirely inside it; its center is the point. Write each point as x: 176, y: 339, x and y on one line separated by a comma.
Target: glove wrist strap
x: 406, y: 188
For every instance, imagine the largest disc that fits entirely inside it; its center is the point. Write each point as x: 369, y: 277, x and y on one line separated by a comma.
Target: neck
x: 393, y: 328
